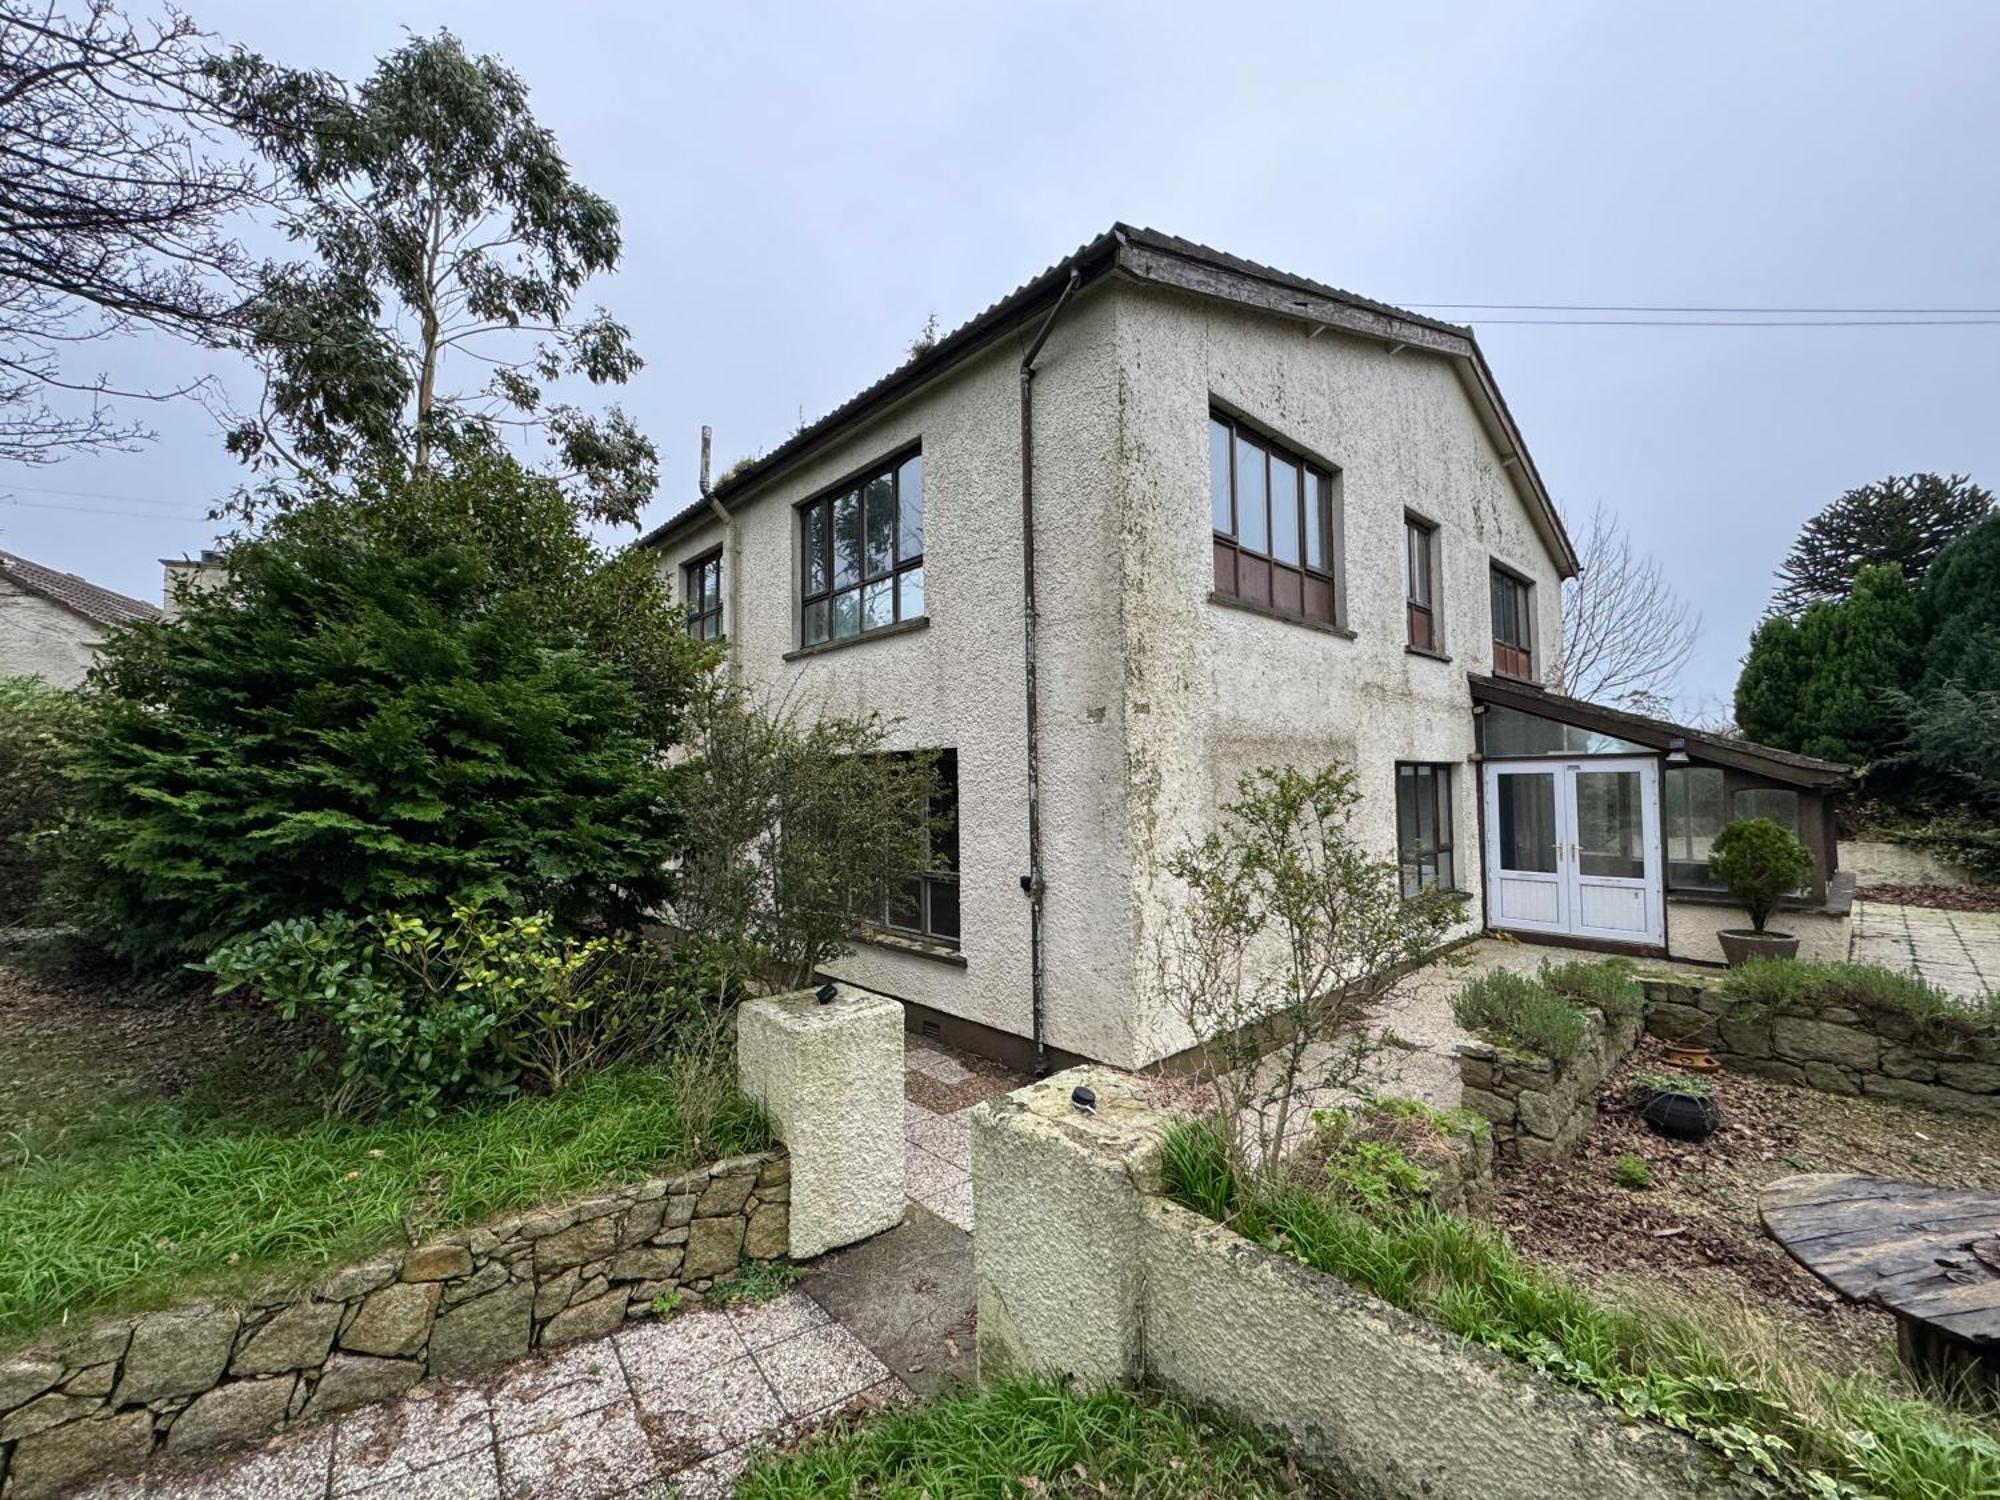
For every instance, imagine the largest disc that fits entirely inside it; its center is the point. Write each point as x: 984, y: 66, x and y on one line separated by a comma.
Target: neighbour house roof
x: 1147, y: 255
x: 1720, y: 749
x: 98, y: 605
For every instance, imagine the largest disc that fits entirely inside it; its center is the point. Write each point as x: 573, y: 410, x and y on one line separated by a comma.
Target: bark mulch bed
x: 1941, y: 897
x: 1696, y: 1225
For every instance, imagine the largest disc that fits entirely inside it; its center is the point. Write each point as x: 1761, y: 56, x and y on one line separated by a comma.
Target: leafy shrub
x: 38, y: 727
x: 1760, y: 861
x: 1446, y: 1122
x: 1631, y: 1171
x: 1516, y: 1011
x: 1377, y: 1176
x: 429, y: 1014
x: 437, y: 690
x: 1608, y: 984
x: 1802, y: 984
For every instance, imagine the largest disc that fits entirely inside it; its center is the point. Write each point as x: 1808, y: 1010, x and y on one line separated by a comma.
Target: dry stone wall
x: 1539, y: 1109
x: 1879, y: 1054
x: 186, y: 1378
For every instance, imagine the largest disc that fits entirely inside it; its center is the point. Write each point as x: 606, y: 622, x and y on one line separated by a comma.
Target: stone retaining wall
x: 191, y: 1377
x: 1879, y: 1054
x: 1084, y: 1269
x: 1540, y: 1109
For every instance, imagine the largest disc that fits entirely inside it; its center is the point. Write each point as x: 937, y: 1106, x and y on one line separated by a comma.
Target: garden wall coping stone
x: 1084, y: 1268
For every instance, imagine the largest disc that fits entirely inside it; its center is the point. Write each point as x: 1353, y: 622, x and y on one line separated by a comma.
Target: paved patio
x: 1958, y: 951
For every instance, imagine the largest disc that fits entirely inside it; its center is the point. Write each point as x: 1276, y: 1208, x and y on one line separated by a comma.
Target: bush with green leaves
x: 1760, y: 861
x: 474, y: 1007
x: 438, y: 690
x: 1791, y: 984
x: 1631, y: 1172
x: 1522, y: 1013
x: 39, y: 725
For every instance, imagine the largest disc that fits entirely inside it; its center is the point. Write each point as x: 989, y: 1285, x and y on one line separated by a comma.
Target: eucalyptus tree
x: 446, y: 237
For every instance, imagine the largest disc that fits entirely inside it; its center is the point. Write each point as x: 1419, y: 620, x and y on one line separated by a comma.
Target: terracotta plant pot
x: 1685, y: 1117
x: 1742, y: 943
x: 1685, y: 1057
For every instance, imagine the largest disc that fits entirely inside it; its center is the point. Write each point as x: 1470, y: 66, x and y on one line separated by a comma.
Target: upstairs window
x: 1420, y: 585
x: 862, y: 551
x: 926, y: 906
x: 1513, y: 625
x: 701, y: 593
x: 1423, y: 827
x: 1272, y: 512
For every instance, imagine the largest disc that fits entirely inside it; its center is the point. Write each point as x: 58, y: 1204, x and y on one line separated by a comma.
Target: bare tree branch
x: 1626, y: 632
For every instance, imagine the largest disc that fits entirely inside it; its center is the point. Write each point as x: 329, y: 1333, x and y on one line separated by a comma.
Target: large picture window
x: 1696, y: 806
x: 926, y: 905
x: 862, y: 553
x: 1423, y: 827
x: 1513, y: 625
x: 701, y: 593
x: 1272, y: 512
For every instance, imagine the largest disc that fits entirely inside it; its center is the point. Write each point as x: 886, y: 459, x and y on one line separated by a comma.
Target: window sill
x: 1229, y: 602
x: 1532, y: 682
x: 916, y: 947
x: 902, y: 627
x: 1426, y: 651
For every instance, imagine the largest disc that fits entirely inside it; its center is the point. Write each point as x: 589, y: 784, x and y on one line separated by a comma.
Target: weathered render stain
x: 1154, y: 700
x: 39, y: 638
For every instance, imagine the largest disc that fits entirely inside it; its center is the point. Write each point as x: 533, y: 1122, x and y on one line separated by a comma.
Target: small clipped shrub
x: 475, y: 1007
x: 1759, y: 861
x: 1515, y: 1011
x: 1631, y: 1172
x: 1805, y: 984
x: 1609, y: 984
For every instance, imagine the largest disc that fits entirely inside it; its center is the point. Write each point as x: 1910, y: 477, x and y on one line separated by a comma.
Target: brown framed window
x: 1423, y: 826
x: 1513, y: 625
x: 926, y: 906
x: 1420, y: 586
x: 701, y: 592
x: 1272, y: 512
x: 862, y: 552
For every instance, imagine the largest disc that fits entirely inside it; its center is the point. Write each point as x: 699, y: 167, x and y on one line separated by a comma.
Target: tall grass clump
x: 1025, y: 1437
x: 1522, y: 1013
x: 185, y: 1209
x: 1793, y: 984
x: 1799, y: 1429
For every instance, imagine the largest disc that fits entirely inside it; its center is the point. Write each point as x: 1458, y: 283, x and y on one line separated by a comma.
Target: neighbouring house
x: 51, y: 622
x: 182, y: 576
x: 1160, y: 516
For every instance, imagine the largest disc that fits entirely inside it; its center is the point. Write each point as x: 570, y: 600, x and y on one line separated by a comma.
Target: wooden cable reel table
x: 1929, y: 1256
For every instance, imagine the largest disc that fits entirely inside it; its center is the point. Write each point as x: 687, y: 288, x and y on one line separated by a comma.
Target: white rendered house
x: 1159, y: 517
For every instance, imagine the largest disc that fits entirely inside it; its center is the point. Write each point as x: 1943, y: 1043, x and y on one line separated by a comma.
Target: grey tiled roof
x: 78, y: 595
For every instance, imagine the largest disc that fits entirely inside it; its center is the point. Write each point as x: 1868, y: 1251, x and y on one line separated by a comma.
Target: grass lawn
x: 1013, y: 1439
x: 150, y: 1151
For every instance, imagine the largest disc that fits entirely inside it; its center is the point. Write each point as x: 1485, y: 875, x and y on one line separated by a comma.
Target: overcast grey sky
x: 802, y: 184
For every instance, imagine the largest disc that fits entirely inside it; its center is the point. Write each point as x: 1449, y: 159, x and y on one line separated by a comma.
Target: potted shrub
x: 1759, y: 861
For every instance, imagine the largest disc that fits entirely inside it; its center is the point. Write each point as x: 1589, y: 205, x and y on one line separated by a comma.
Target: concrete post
x: 1058, y: 1257
x: 832, y: 1078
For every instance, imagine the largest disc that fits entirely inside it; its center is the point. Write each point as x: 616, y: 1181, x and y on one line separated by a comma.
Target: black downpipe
x: 1032, y: 881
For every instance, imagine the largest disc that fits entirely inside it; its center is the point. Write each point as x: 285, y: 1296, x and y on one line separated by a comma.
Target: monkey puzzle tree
x: 1906, y: 519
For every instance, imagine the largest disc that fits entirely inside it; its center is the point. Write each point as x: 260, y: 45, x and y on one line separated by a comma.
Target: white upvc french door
x: 1573, y: 847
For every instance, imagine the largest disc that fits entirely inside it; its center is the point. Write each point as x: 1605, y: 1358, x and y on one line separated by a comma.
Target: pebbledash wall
x: 1540, y: 1109
x: 1876, y: 1054
x: 1154, y: 697
x: 1083, y: 1268
x: 193, y: 1377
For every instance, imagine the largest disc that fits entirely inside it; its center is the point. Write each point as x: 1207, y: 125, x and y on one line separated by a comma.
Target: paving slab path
x: 1958, y: 951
